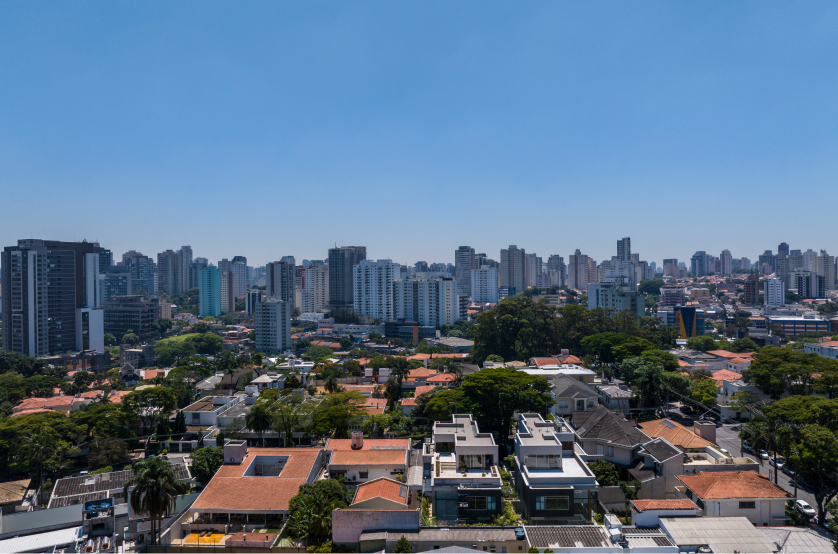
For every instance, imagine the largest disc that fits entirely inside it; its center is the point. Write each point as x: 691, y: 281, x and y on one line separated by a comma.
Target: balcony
x: 446, y: 472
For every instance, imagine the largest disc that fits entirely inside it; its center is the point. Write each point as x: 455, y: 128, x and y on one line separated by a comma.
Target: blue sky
x: 277, y: 128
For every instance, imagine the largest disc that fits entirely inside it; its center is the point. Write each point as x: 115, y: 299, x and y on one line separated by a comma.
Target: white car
x: 778, y: 464
x: 763, y: 454
x: 804, y: 508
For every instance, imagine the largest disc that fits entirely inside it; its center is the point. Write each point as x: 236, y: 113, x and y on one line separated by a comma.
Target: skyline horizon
x: 117, y: 253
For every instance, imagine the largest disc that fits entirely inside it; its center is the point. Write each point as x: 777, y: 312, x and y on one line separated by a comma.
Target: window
x: 563, y: 404
x: 472, y: 461
x: 481, y: 502
x: 747, y: 505
x: 363, y: 474
x: 611, y: 451
x: 600, y: 450
x: 551, y: 503
x: 543, y: 461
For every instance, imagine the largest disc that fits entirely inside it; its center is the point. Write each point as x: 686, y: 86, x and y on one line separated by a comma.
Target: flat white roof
x: 725, y: 535
x: 42, y: 541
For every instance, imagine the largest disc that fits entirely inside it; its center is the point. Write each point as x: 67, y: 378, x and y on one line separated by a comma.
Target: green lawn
x: 175, y: 340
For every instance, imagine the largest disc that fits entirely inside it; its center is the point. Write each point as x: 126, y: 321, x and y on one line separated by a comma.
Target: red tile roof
x: 732, y: 484
x: 442, y: 378
x: 27, y: 412
x: 675, y: 433
x: 421, y: 373
x: 419, y: 356
x: 669, y: 504
x: 346, y: 444
x: 409, y: 402
x: 383, y: 488
x: 726, y: 374
x: 457, y: 356
x: 424, y: 389
x: 373, y: 452
x: 538, y: 362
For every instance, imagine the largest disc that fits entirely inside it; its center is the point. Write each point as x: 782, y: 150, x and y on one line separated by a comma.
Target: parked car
x: 805, y: 508
x: 778, y: 464
x: 763, y: 454
x: 790, y: 472
x: 746, y: 446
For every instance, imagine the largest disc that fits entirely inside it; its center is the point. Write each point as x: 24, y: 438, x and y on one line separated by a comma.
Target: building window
x: 611, y: 451
x: 563, y: 404
x: 363, y: 474
x: 551, y: 503
x: 481, y: 502
x: 543, y: 461
x: 747, y: 505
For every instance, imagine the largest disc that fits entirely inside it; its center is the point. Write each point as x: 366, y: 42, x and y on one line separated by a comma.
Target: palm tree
x: 258, y: 420
x: 320, y: 524
x: 155, y: 490
x: 39, y: 447
x: 400, y: 369
x: 331, y: 384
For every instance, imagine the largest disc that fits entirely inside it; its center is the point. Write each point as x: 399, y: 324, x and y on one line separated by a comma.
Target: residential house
x: 616, y: 397
x: 604, y: 435
x: 571, y: 395
x: 461, y: 464
x: 678, y: 435
x: 581, y: 374
x: 647, y: 513
x: 359, y: 460
x: 440, y: 539
x: 378, y: 505
x: 554, y: 484
x: 736, y: 494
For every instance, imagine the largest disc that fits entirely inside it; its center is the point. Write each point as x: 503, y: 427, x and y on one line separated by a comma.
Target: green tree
x: 162, y: 325
x: 201, y: 327
x: 669, y: 362
x: 765, y: 433
x: 815, y: 458
x: 704, y: 391
x: 605, y: 472
x: 289, y: 415
x: 776, y: 371
x: 107, y: 452
x: 258, y: 420
x: 631, y: 348
x: 205, y: 462
x: 40, y: 448
x: 678, y: 382
x: 702, y: 343
x: 310, y: 511
x: 743, y: 345
x: 110, y: 340
x: 601, y: 345
x: 649, y: 386
x: 517, y: 328
x: 403, y: 545
x: 316, y: 353
x: 650, y: 286
x: 495, y: 394
x: 333, y: 416
x: 149, y: 406
x: 130, y: 338
x: 155, y: 491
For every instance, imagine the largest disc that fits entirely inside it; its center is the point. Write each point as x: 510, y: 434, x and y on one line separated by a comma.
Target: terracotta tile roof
x: 346, y: 444
x: 384, y: 488
x: 298, y: 465
x: 732, y: 484
x: 116, y: 396
x: 726, y: 374
x: 674, y: 433
x: 423, y: 390
x: 363, y: 361
x: 456, y: 356
x: 571, y: 359
x: 739, y: 361
x: 829, y: 343
x: 727, y: 354
x: 442, y: 378
x: 421, y: 372
x: 369, y: 457
x: 669, y: 504
x: 374, y: 406
x: 31, y: 411
x: 419, y: 356
x: 409, y: 402
x: 52, y: 403
x: 247, y: 493
x: 538, y: 362
x: 92, y: 394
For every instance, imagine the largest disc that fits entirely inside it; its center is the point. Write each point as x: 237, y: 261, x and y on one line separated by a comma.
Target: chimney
x: 705, y: 429
x: 235, y: 452
x: 357, y: 440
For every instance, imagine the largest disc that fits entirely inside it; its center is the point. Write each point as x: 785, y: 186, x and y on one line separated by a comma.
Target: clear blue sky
x: 277, y: 128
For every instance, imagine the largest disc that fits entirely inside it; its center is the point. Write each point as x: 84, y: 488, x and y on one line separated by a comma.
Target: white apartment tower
x: 316, y: 291
x: 484, y: 284
x: 532, y: 270
x: 726, y: 263
x: 624, y: 249
x: 825, y: 267
x: 513, y: 268
x: 280, y: 282
x: 372, y: 283
x: 556, y: 270
x: 464, y: 261
x: 433, y: 302
x: 775, y: 292
x: 273, y: 326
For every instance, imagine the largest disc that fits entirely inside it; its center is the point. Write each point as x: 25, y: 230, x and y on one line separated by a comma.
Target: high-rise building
x: 809, y: 259
x: 239, y: 271
x: 726, y: 263
x: 183, y: 269
x: 810, y: 284
x: 795, y: 262
x: 134, y: 313
x: 280, y: 279
x: 624, y: 249
x: 142, y: 272
x: 611, y: 296
x: 751, y: 297
x: 252, y: 297
x: 51, y: 298
x: 289, y: 260
x: 533, y: 267
x: 616, y: 270
x: 115, y: 281
x: 766, y: 262
x: 209, y: 295
x: 484, y: 284
x: 166, y: 262
x: 242, y: 259
x: 513, y: 268
x: 228, y: 301
x: 825, y: 267
x: 673, y: 295
x: 195, y: 271
x: 373, y: 288
x: 783, y: 250
x: 341, y: 288
x: 698, y: 264
x: 272, y: 319
x: 670, y: 267
x: 431, y: 302
x: 464, y: 261
x: 556, y: 270
x: 105, y: 257
x: 775, y: 292
x: 316, y: 290
x: 578, y: 271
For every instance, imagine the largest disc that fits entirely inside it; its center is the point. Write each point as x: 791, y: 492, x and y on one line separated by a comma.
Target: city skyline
x: 666, y: 122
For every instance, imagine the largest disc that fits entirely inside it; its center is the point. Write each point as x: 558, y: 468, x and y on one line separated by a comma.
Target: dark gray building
x: 50, y: 296
x: 341, y: 261
x: 142, y: 271
x: 131, y: 312
x: 116, y: 281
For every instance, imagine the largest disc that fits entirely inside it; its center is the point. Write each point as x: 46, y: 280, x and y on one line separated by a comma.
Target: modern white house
x: 360, y: 460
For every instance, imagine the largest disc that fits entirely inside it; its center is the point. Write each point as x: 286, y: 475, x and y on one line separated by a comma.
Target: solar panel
x: 669, y: 424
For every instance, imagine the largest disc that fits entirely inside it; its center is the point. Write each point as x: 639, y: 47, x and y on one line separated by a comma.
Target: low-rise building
x: 678, y: 435
x: 464, y: 539
x: 554, y: 484
x: 616, y: 397
x: 827, y: 349
x: 571, y: 395
x: 359, y: 460
x: 378, y: 505
x: 604, y: 435
x: 464, y: 483
x: 736, y: 494
x: 581, y: 374
x: 722, y: 535
x: 647, y: 513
